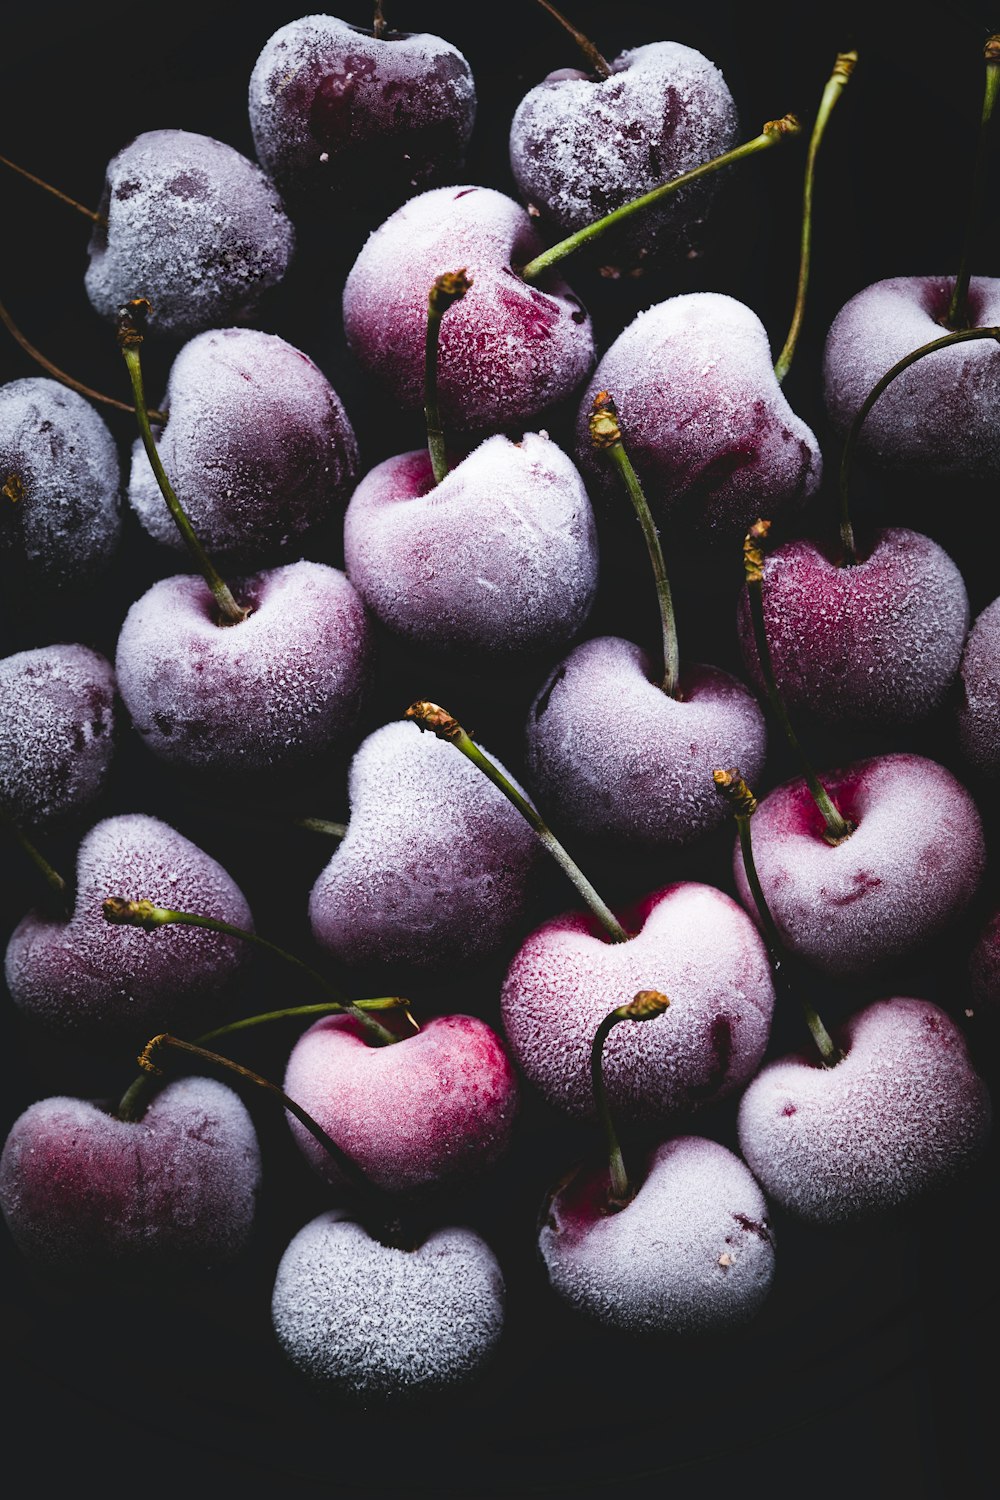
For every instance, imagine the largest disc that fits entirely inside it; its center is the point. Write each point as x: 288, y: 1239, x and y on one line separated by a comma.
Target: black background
x: 865, y: 1368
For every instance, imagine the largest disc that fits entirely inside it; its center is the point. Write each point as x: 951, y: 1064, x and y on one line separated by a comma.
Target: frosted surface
x: 373, y: 1321
x: 693, y: 1252
x: 900, y: 1116
x: 57, y: 724
x: 979, y: 705
x: 82, y: 1191
x: 609, y: 754
x: 58, y: 456
x: 984, y: 966
x: 500, y: 556
x: 193, y: 226
x: 257, y: 446
x: 695, y: 945
x: 89, y: 976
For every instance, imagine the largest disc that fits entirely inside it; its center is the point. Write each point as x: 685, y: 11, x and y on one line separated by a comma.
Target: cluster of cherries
x: 254, y: 666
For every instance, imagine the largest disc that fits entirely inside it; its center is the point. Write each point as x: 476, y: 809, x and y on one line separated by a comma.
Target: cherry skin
x: 581, y: 146
x: 978, y: 713
x: 871, y: 644
x: 692, y: 943
x: 439, y: 1315
x: 192, y: 225
x: 984, y: 967
x: 257, y: 444
x: 498, y: 558
x: 86, y: 1194
x: 711, y: 435
x: 434, y: 1110
x: 509, y: 351
x: 57, y: 732
x: 901, y: 1116
x: 691, y: 1253
x: 359, y: 120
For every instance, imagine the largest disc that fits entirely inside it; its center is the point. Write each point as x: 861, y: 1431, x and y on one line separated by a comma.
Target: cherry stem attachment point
x: 744, y: 804
x: 88, y: 213
x: 957, y: 316
x: 378, y: 24
x: 605, y: 433
x: 772, y: 134
x: 131, y: 324
x: 842, y: 69
x: 447, y: 289
x: 428, y: 716
x: 645, y: 1006
x: 837, y: 826
x: 597, y: 63
x: 960, y: 336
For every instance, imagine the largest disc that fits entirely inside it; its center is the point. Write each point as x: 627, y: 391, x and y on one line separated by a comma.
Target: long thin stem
x: 438, y: 721
x: 322, y: 825
x: 596, y: 62
x: 150, y: 917
x: 605, y: 433
x: 961, y: 336
x: 958, y: 308
x: 88, y: 213
x: 448, y: 289
x: 132, y: 315
x: 773, y: 132
x: 54, y: 882
x: 744, y: 805
x: 645, y: 1006
x: 837, y: 827
x: 61, y: 376
x: 835, y: 85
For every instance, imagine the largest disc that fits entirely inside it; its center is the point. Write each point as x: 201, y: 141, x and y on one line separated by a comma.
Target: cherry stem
x: 958, y: 308
x: 836, y: 83
x: 961, y: 336
x: 61, y: 376
x: 837, y: 827
x: 773, y: 132
x: 448, y: 289
x: 744, y: 804
x: 54, y: 882
x: 645, y: 1006
x: 597, y: 63
x: 438, y: 721
x: 322, y: 825
x: 88, y: 213
x: 149, y: 917
x: 605, y: 433
x: 378, y: 25
x: 131, y: 320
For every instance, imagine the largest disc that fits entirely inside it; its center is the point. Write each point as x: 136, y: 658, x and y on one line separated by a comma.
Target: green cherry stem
x: 150, y: 917
x: 131, y: 321
x: 428, y: 716
x: 772, y: 134
x: 323, y: 826
x: 645, y: 1006
x: 597, y: 63
x: 837, y: 827
x: 60, y: 375
x: 605, y: 433
x: 842, y: 69
x: 88, y: 213
x: 448, y: 289
x: 744, y: 804
x: 958, y: 308
x: 961, y: 336
x: 54, y: 882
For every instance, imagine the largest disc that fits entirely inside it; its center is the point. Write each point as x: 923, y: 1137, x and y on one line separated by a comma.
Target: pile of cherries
x: 498, y: 837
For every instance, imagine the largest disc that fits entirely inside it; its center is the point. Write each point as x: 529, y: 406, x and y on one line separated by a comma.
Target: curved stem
x: 961, y: 336
x: 88, y: 213
x: 605, y: 433
x: 55, y: 884
x: 645, y: 1006
x: 773, y: 132
x: 61, y: 376
x: 438, y: 721
x: 958, y: 308
x: 447, y: 289
x: 129, y: 339
x: 744, y: 805
x: 150, y: 918
x: 837, y: 827
x: 594, y: 59
x: 836, y: 83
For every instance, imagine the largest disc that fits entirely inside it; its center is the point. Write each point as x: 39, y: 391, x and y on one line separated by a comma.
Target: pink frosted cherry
x: 191, y: 224
x: 357, y: 115
x: 84, y: 1191
x: 978, y: 712
x: 257, y: 444
x: 57, y: 732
